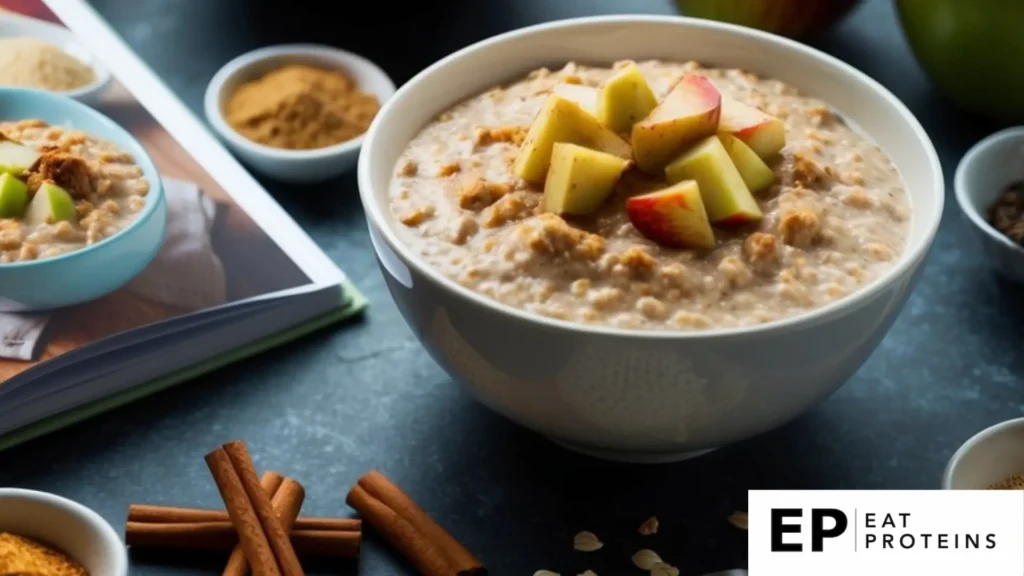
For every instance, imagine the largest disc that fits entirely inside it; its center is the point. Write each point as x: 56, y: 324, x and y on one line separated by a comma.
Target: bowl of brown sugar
x: 296, y: 113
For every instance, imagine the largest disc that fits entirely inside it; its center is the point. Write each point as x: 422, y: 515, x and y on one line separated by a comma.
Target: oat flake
x: 646, y: 559
x: 663, y: 569
x: 586, y: 542
x: 649, y: 527
x: 739, y: 520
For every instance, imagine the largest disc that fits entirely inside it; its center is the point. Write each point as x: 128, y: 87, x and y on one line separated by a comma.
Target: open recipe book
x: 234, y: 276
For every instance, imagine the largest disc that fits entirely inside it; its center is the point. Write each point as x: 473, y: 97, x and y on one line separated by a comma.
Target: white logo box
x: 887, y: 532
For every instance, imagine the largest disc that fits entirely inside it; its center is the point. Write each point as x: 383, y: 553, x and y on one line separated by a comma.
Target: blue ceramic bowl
x: 95, y: 270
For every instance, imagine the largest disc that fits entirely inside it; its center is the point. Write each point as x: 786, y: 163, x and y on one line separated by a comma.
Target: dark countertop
x: 364, y: 395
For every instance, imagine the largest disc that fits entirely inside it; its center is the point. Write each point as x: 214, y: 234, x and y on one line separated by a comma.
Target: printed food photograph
x: 508, y: 287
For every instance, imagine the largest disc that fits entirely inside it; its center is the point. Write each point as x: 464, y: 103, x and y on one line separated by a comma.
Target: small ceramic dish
x: 66, y: 525
x: 981, y: 178
x: 14, y: 26
x: 95, y: 270
x: 296, y: 166
x: 990, y: 456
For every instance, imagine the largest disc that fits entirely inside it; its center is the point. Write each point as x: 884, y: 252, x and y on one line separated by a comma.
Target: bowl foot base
x: 632, y: 457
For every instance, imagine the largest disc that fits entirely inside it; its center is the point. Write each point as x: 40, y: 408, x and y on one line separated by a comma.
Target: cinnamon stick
x: 385, y: 491
x: 410, y: 543
x: 238, y: 564
x: 221, y: 536
x: 272, y: 526
x: 251, y: 536
x: 150, y: 514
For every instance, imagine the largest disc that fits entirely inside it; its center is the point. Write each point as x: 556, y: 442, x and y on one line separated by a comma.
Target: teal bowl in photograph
x: 96, y: 270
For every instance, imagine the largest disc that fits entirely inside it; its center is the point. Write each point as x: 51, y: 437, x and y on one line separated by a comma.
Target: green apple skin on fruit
x: 726, y: 196
x: 562, y: 120
x: 792, y: 18
x: 673, y: 217
x: 50, y: 204
x: 973, y: 50
x: 15, y: 157
x: 689, y: 112
x: 755, y: 173
x: 764, y: 133
x: 580, y: 179
x: 625, y: 99
x: 13, y: 196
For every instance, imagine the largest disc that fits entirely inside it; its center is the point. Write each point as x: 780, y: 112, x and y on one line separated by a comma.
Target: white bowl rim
x: 103, y: 76
x: 214, y: 90
x: 902, y: 267
x: 966, y: 165
x: 972, y: 443
x: 90, y: 516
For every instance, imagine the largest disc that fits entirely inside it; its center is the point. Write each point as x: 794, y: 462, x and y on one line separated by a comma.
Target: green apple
x: 15, y: 157
x: 50, y: 204
x: 673, y: 217
x: 625, y: 99
x: 756, y: 174
x: 562, y: 120
x: 793, y: 18
x: 726, y: 197
x: 13, y: 196
x: 972, y: 50
x: 580, y: 179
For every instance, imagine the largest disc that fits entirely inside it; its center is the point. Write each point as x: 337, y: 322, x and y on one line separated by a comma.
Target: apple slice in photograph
x: 625, y: 99
x: 726, y: 196
x: 580, y: 179
x: 689, y: 112
x: 764, y: 133
x: 673, y: 217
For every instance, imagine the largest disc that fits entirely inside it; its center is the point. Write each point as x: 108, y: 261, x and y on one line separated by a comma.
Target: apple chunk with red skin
x: 756, y: 174
x: 689, y: 112
x: 726, y: 196
x: 673, y: 217
x: 764, y: 133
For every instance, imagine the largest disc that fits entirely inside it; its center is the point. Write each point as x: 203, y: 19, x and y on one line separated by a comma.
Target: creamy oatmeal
x: 107, y: 191
x: 835, y: 218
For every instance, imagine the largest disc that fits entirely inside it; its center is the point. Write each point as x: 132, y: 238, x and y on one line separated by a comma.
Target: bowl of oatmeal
x: 648, y: 237
x: 82, y: 210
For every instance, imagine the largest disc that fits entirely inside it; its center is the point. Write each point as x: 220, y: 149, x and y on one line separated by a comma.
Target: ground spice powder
x: 301, y: 107
x: 19, y: 555
x: 33, y: 63
x: 1015, y: 482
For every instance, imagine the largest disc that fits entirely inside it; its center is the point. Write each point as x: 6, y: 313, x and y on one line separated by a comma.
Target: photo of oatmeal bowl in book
x: 229, y: 274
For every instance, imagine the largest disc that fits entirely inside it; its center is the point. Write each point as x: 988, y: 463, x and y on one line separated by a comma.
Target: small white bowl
x: 14, y: 26
x: 296, y: 166
x: 982, y: 176
x: 988, y: 457
x: 68, y: 526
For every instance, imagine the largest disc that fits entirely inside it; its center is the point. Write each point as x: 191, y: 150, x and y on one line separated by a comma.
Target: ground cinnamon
x: 409, y: 528
x: 20, y: 555
x: 301, y: 107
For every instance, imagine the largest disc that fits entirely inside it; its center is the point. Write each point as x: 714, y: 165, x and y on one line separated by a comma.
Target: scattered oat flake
x: 649, y: 527
x: 663, y: 569
x: 739, y: 520
x: 646, y: 559
x: 586, y: 542
x: 546, y: 573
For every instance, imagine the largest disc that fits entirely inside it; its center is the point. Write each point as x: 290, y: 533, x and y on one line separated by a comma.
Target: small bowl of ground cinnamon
x: 296, y: 113
x: 45, y: 535
x: 992, y: 459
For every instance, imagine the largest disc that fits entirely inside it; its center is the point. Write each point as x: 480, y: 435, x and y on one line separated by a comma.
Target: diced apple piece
x: 764, y: 133
x: 13, y: 196
x: 725, y: 195
x: 673, y: 217
x: 580, y: 179
x: 584, y: 96
x: 625, y: 99
x: 16, y: 157
x: 50, y: 204
x: 561, y: 120
x: 688, y: 113
x: 756, y: 174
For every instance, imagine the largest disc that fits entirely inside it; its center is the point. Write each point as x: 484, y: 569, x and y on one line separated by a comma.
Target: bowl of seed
x: 43, y: 56
x: 296, y: 113
x: 992, y: 459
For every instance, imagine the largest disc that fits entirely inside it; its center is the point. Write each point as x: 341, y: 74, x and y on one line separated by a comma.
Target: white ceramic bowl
x: 296, y: 166
x: 988, y: 457
x: 981, y: 178
x: 645, y: 396
x: 69, y: 526
x: 14, y: 26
